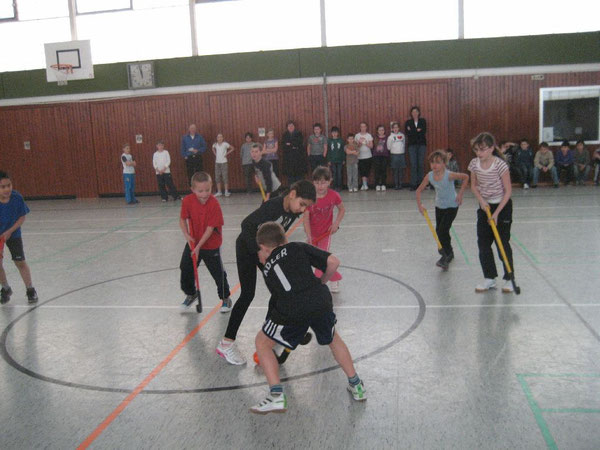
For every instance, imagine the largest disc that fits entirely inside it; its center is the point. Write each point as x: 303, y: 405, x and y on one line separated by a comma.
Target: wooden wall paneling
x: 45, y: 169
x: 73, y: 146
x: 112, y: 127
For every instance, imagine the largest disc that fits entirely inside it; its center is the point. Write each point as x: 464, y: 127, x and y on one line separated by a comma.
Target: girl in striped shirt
x: 491, y: 186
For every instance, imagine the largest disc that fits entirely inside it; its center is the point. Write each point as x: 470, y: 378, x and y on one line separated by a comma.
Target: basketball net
x: 62, y: 73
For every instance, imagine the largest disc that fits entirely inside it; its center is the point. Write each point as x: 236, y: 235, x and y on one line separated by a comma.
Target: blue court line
x: 527, y: 252
x: 460, y: 247
x: 537, y: 414
x: 120, y: 244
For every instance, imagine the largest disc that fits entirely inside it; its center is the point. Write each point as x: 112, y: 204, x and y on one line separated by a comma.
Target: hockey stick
x: 195, y: 263
x: 511, y: 274
x: 262, y: 191
x: 435, y: 236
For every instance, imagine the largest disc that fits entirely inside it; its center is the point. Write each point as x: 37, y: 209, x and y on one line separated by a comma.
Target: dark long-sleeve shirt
x: 564, y: 160
x: 414, y: 137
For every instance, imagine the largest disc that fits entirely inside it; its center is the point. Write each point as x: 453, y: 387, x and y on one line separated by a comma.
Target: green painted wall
x: 351, y: 60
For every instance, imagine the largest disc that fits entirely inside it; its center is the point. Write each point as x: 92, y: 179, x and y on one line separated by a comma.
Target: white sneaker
x: 488, y: 283
x: 359, y: 393
x: 218, y: 194
x: 227, y: 193
x: 227, y: 305
x: 272, y: 403
x: 230, y: 353
x: 364, y: 187
x: 383, y: 187
x: 377, y: 188
x: 334, y: 286
x: 525, y: 186
x: 508, y: 287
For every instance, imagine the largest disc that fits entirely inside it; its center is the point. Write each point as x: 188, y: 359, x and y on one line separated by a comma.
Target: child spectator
x: 335, y: 157
x: 161, y: 161
x: 581, y: 166
x: 524, y: 162
x: 129, y: 175
x: 364, y: 141
x: 544, y: 163
x: 203, y: 213
x: 316, y: 148
x: 299, y: 301
x: 453, y: 165
x: 396, y: 144
x: 565, y: 160
x: 247, y: 161
x: 447, y: 201
x: 318, y: 218
x: 596, y: 159
x: 12, y: 215
x: 381, y: 154
x: 264, y: 174
x: 284, y: 210
x: 221, y: 150
x: 270, y: 151
x: 351, y: 163
x: 490, y: 183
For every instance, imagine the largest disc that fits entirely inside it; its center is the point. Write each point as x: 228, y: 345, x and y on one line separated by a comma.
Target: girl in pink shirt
x: 318, y: 218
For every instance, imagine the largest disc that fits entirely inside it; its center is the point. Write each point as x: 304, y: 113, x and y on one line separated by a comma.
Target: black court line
x: 12, y: 362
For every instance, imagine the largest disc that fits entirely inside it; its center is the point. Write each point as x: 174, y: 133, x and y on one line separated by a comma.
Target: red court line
x: 140, y: 387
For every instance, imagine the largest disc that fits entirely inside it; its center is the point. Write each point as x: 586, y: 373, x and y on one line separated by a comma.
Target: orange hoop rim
x: 68, y: 68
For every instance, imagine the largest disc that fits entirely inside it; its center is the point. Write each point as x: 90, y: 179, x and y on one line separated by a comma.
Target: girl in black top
x: 283, y: 210
x: 415, y: 129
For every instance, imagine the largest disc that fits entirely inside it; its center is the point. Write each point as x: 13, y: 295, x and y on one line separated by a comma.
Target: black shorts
x: 291, y: 335
x: 15, y: 245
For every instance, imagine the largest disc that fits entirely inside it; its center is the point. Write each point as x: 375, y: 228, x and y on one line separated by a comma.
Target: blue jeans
x: 536, y: 174
x: 336, y: 171
x: 416, y: 153
x: 129, y: 182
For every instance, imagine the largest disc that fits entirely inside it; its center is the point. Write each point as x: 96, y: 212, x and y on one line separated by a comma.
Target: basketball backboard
x: 76, y: 54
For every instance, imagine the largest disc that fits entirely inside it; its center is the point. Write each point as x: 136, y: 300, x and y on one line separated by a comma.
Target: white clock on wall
x: 141, y: 75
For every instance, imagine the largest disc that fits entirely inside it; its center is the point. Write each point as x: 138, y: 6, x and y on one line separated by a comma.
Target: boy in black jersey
x: 299, y: 301
x: 284, y: 210
x: 264, y: 172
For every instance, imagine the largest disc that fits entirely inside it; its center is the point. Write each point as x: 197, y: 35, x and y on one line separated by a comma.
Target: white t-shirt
x: 364, y: 152
x: 221, y: 151
x: 125, y: 158
x: 396, y: 142
x: 161, y: 161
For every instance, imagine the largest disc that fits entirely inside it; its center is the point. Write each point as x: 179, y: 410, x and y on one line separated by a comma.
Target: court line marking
x: 176, y: 307
x: 102, y: 233
x: 140, y: 387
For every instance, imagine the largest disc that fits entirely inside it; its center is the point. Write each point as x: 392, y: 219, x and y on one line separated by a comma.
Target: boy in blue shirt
x: 12, y: 215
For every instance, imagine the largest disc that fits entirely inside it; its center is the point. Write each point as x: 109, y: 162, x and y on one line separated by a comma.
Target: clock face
x: 141, y: 75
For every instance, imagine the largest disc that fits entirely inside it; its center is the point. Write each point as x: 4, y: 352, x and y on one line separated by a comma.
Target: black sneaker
x: 32, y: 296
x: 5, y: 294
x: 188, y: 301
x: 449, y: 257
x: 442, y: 262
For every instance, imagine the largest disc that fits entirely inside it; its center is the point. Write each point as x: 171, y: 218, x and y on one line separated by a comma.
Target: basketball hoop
x: 62, y: 73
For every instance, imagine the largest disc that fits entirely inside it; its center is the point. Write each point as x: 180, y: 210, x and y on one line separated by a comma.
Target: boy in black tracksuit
x: 264, y: 174
x: 299, y: 301
x: 283, y: 210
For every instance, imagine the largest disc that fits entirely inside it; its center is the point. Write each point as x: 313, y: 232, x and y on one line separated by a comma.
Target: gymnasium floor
x: 444, y: 367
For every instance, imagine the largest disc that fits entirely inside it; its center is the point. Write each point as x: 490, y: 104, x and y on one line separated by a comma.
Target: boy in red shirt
x: 203, y: 212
